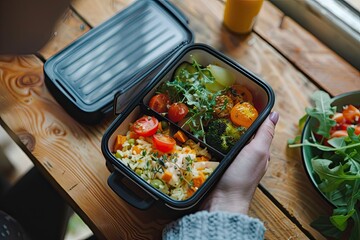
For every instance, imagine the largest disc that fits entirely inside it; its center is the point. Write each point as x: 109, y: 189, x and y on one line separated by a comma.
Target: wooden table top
x: 279, y: 51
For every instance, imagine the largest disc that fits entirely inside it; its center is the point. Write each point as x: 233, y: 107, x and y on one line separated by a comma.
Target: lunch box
x: 204, y: 55
x: 118, y: 66
x: 117, y: 57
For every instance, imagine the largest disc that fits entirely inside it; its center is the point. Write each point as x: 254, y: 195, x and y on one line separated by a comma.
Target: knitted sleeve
x: 215, y: 225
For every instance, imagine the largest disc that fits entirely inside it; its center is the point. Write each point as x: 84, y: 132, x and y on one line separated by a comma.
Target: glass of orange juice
x: 240, y: 15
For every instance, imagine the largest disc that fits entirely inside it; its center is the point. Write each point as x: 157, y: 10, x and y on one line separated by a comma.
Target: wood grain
x: 69, y: 152
x: 322, y: 65
x: 99, y: 11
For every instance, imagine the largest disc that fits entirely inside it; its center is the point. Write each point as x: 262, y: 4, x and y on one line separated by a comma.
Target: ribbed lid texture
x: 94, y: 67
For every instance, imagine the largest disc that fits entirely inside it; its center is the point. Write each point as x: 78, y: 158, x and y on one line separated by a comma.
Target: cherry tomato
x: 357, y: 130
x: 159, y: 103
x: 351, y: 114
x: 163, y: 143
x: 177, y: 112
x: 146, y: 126
x: 343, y: 126
x: 339, y: 133
x: 243, y: 114
x: 339, y: 118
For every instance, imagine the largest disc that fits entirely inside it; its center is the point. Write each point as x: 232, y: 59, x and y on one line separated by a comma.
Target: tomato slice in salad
x: 339, y: 133
x: 339, y: 118
x: 349, y: 117
x: 351, y: 114
x: 177, y: 112
x: 146, y: 126
x: 163, y: 143
x: 159, y: 103
x: 357, y: 130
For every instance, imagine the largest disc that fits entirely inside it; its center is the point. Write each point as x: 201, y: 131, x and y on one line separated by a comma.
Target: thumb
x: 265, y: 133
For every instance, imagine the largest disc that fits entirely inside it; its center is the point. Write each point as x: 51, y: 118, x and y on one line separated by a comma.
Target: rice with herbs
x: 178, y: 173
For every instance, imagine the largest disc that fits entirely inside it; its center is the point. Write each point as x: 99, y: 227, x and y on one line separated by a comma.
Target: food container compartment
x: 123, y: 169
x: 204, y: 55
x: 262, y: 94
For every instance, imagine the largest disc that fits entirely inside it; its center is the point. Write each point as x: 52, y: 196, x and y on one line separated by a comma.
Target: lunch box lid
x: 114, y: 57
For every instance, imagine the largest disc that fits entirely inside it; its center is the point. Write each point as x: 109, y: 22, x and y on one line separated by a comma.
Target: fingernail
x: 274, y: 117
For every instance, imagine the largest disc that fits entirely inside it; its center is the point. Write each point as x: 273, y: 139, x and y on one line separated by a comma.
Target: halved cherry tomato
x: 163, y: 143
x: 339, y: 133
x: 343, y: 126
x: 351, y: 114
x: 159, y: 103
x: 177, y: 112
x: 243, y: 114
x: 146, y: 126
x: 357, y: 130
x: 241, y: 94
x: 339, y: 118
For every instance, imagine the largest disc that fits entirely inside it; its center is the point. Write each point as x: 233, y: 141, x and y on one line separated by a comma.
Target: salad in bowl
x: 330, y: 143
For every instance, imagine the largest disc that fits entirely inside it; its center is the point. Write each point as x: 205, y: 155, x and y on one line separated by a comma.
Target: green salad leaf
x: 322, y: 112
x: 326, y: 227
x: 337, y: 167
x: 332, y: 177
x: 340, y: 221
x: 356, y: 228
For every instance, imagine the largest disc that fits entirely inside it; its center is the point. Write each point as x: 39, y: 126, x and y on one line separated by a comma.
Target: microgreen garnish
x: 189, y: 88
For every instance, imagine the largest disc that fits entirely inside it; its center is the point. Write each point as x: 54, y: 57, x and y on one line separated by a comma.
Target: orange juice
x: 240, y: 15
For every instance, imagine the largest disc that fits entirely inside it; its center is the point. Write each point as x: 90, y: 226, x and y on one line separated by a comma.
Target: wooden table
x: 290, y: 59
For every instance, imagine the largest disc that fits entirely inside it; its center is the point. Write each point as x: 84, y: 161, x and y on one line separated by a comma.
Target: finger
x: 265, y: 133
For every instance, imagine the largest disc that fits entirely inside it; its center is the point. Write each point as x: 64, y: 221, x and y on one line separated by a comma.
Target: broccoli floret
x: 222, y: 134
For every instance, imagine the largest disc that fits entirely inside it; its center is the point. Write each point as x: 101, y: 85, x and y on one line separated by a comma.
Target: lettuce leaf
x: 322, y: 112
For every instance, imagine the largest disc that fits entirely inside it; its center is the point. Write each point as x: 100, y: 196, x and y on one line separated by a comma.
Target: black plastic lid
x: 105, y: 60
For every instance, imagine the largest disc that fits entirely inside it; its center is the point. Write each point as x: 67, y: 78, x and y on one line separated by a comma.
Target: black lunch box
x: 264, y: 101
x: 156, y: 34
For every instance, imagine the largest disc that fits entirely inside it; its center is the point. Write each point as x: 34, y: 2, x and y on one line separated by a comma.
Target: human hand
x: 236, y: 188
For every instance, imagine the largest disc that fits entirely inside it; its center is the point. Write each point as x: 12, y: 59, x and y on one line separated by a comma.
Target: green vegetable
x: 214, y: 87
x: 222, y: 76
x: 158, y: 184
x: 322, y: 112
x: 164, y: 125
x: 138, y: 171
x: 188, y: 87
x: 118, y: 155
x: 184, y: 70
x: 338, y: 168
x: 222, y: 134
x: 131, y: 141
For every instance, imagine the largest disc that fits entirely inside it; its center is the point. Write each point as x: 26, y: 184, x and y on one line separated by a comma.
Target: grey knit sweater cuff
x: 215, y: 225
